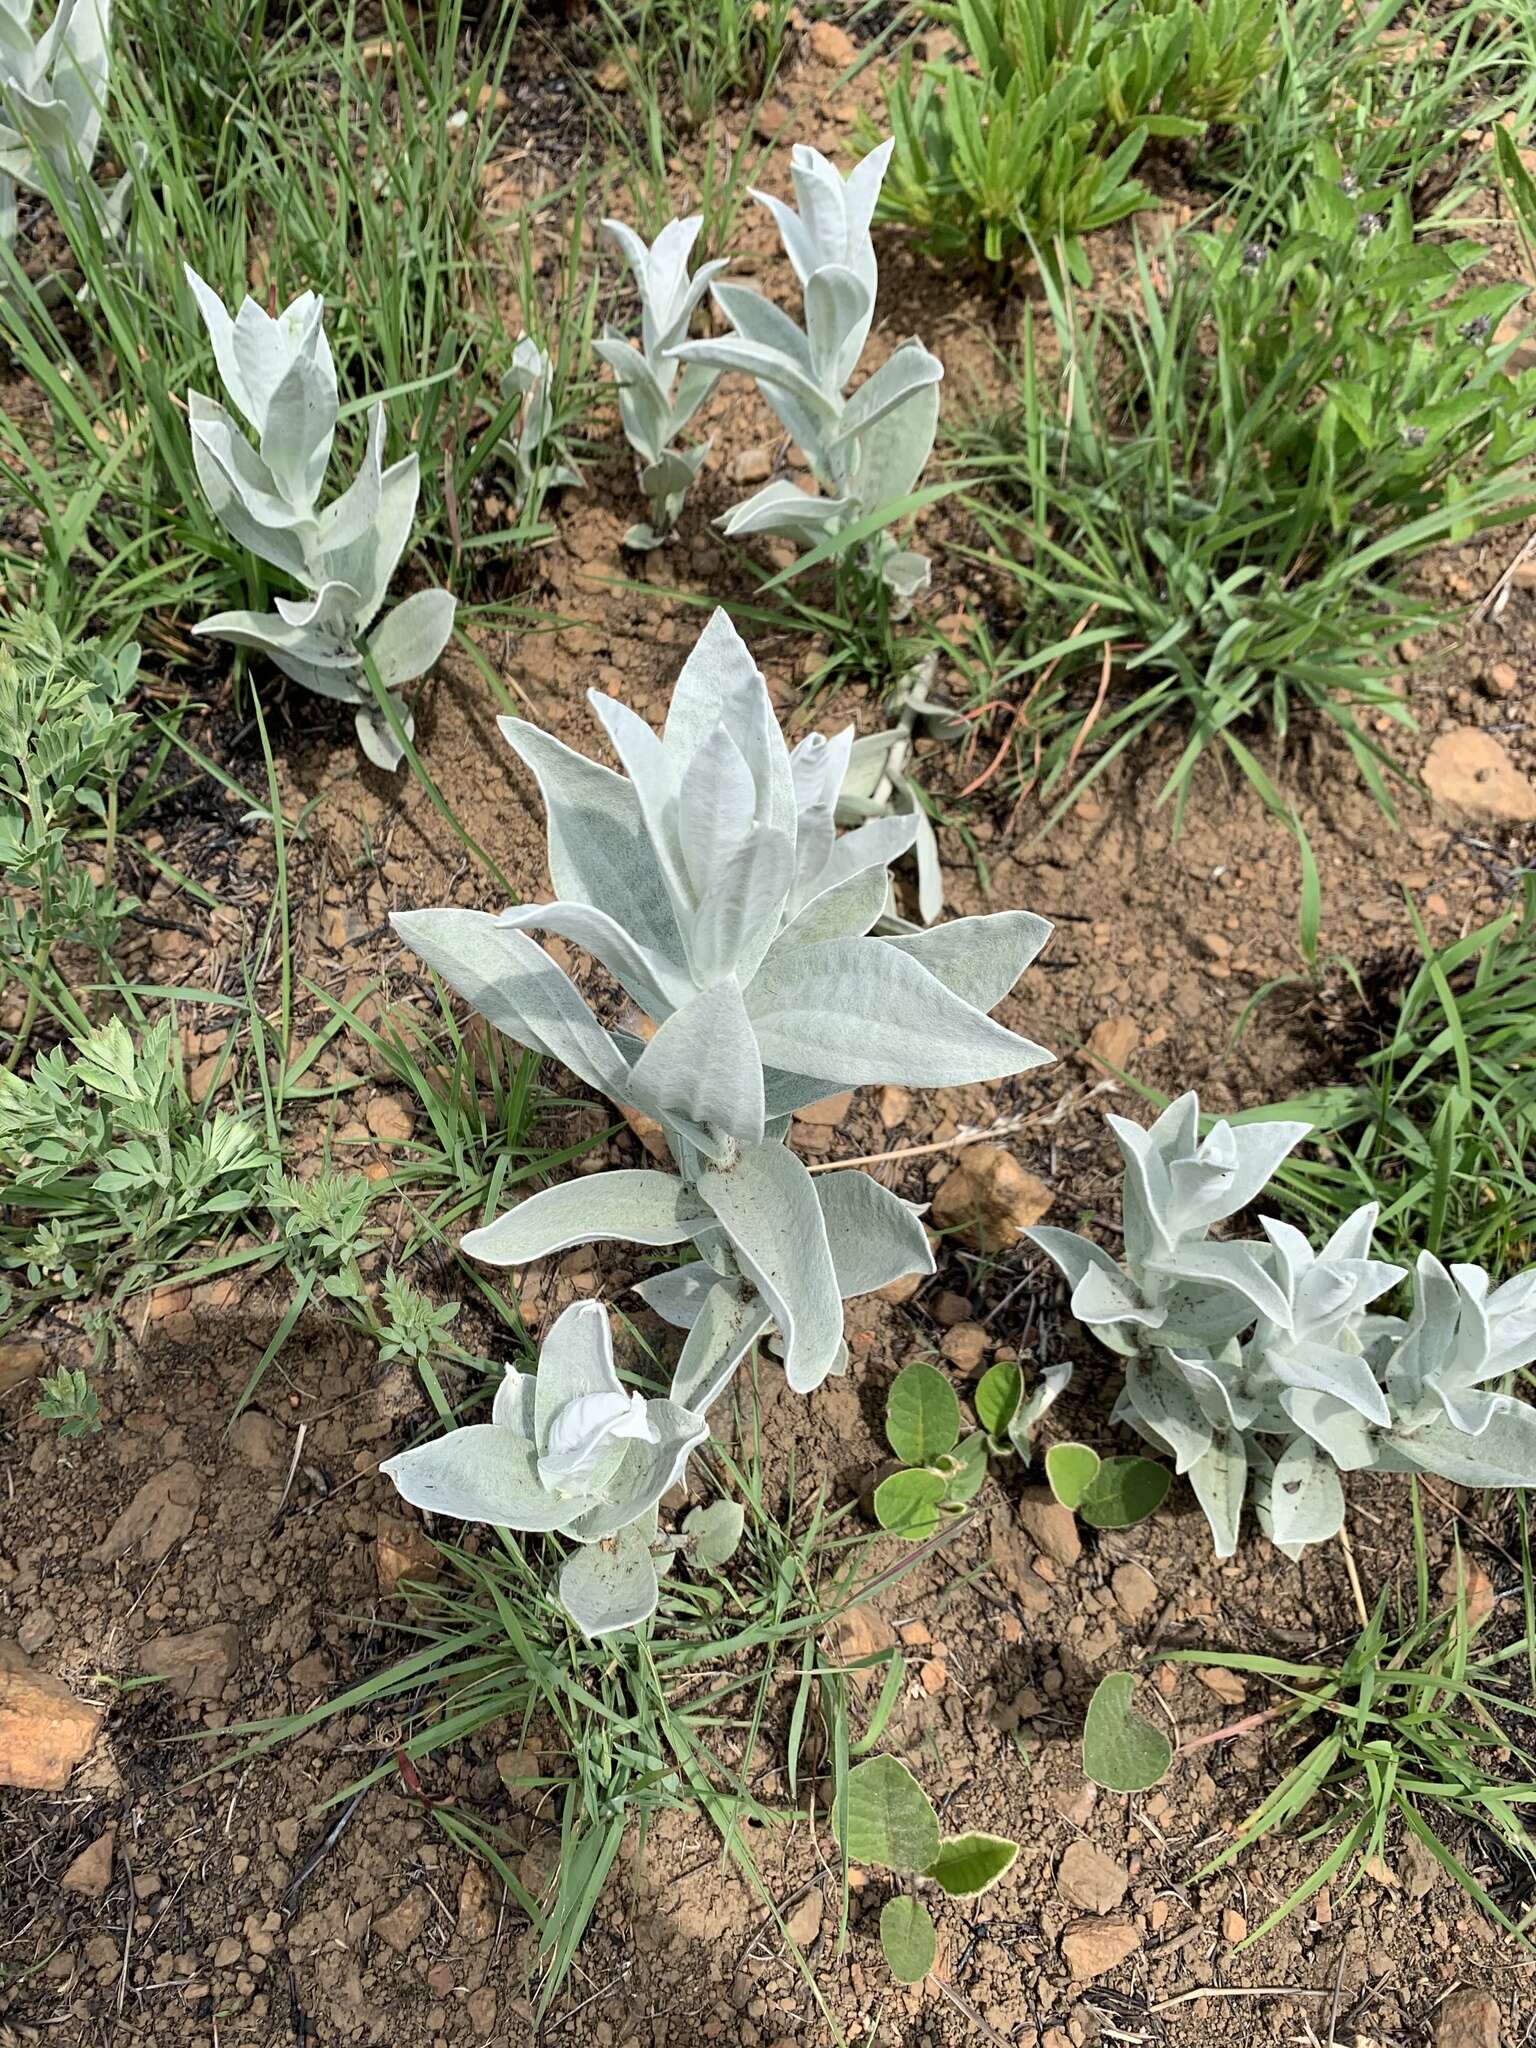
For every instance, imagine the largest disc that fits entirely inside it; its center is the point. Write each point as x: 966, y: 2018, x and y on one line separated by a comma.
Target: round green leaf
x: 922, y: 1415
x: 997, y: 1396
x: 969, y: 1864
x: 1124, y: 1491
x: 714, y: 1532
x: 1122, y: 1751
x: 1070, y: 1470
x: 891, y: 1821
x: 909, y: 1938
x: 909, y: 1504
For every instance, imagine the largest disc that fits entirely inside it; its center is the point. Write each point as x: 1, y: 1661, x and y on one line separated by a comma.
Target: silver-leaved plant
x: 866, y: 450
x: 711, y: 884
x: 657, y: 397
x: 568, y: 1450
x: 52, y: 92
x: 532, y: 440
x: 280, y: 376
x: 1262, y: 1367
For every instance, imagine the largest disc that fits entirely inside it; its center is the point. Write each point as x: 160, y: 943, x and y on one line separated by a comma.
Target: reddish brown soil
x: 210, y: 1933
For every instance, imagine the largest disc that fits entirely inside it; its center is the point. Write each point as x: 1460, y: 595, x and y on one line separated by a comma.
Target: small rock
x: 1135, y: 1590
x: 1051, y: 1526
x: 804, y: 1923
x: 403, y: 1550
x: 1088, y: 1878
x: 313, y: 1673
x: 1226, y: 1685
x: 440, y: 1979
x: 1421, y: 1873
x: 480, y: 2009
x: 44, y: 1731
x: 752, y: 466
x: 257, y: 1440
x: 1218, y: 947
x: 933, y: 1676
x: 966, y: 1346
x: 1091, y: 1948
x: 229, y: 1952
x: 987, y: 1199
x: 859, y: 1632
x: 1500, y: 679
x: 1111, y: 1043
x: 389, y: 1119
x: 898, y: 1291
x: 771, y: 116
x: 1481, y: 1599
x: 831, y: 45
x: 195, y: 1666
x: 1471, y: 773
x: 1234, y: 1925
x: 477, y: 1903
x: 91, y: 1871
x: 21, y: 1360
x: 159, y: 1516
x: 402, y: 1924
x: 829, y: 1113
x: 895, y: 1106
x: 1468, y: 2019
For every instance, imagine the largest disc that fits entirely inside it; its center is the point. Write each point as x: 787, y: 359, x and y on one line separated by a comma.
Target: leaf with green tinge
x: 909, y: 1938
x: 997, y: 1396
x: 922, y: 1415
x: 909, y: 1503
x: 968, y: 1865
x: 964, y: 1468
x: 714, y: 1532
x: 891, y: 1821
x: 1124, y: 1491
x: 1122, y: 1751
x: 1070, y: 1469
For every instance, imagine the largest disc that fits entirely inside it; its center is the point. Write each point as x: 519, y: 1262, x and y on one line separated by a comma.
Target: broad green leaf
x: 714, y: 1532
x: 922, y: 1414
x: 997, y: 1396
x: 1122, y: 1751
x: 910, y: 1504
x: 891, y: 1822
x: 1070, y: 1469
x: 967, y: 1865
x: 1122, y: 1492
x: 909, y: 1938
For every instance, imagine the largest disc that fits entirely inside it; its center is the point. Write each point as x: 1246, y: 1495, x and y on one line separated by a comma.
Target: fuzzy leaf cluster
x: 52, y: 91
x: 866, y: 449
x: 710, y: 883
x: 532, y: 440
x: 657, y: 396
x: 1262, y: 1365
x: 280, y: 376
x: 568, y: 1450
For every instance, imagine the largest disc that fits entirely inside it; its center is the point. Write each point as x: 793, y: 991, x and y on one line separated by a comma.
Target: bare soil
x: 221, y: 1927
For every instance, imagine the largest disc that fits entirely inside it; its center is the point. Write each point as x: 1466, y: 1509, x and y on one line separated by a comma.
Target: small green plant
x: 1029, y: 136
x: 680, y: 59
x: 112, y: 1176
x: 1109, y: 1493
x: 1122, y: 1750
x: 68, y: 1398
x: 1213, y: 528
x: 887, y: 1820
x: 1416, y: 1734
x: 533, y: 441
x: 940, y: 1472
x: 66, y: 733
x: 1438, y: 1122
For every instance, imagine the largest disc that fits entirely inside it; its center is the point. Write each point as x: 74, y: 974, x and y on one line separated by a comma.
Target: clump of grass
x: 683, y: 59
x: 1418, y: 1732
x: 1205, y: 508
x: 1438, y: 1121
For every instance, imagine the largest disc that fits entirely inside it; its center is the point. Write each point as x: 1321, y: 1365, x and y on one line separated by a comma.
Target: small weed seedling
x: 1109, y: 1493
x: 1122, y: 1750
x: 888, y: 1821
x: 940, y: 1472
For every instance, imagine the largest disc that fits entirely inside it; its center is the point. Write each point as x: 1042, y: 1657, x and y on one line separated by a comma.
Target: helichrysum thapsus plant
x: 568, y: 1449
x: 1262, y: 1367
x: 711, y: 884
x: 866, y: 450
x: 279, y: 374
x: 657, y: 397
x: 52, y: 90
x: 532, y: 441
